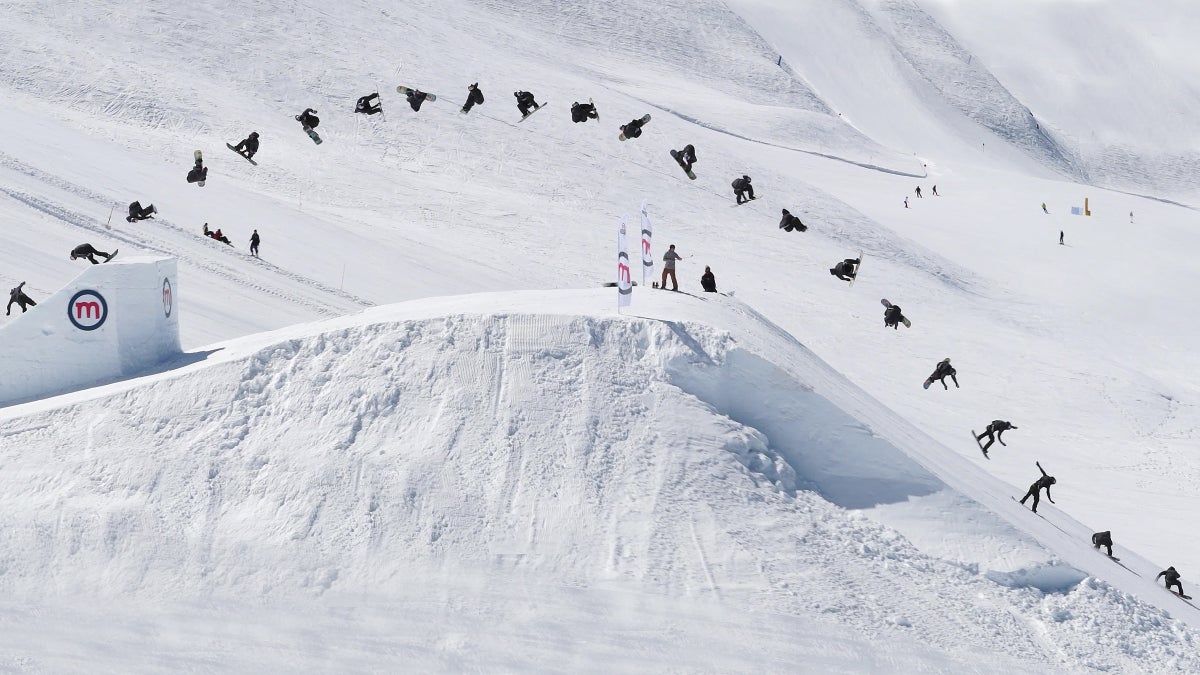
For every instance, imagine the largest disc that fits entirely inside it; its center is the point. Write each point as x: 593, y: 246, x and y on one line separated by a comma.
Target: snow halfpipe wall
x: 115, y: 320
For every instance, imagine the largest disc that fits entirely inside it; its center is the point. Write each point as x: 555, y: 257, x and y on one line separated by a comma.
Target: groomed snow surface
x: 361, y: 463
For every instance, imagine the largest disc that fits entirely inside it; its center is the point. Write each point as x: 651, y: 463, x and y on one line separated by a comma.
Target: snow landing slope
x: 542, y: 451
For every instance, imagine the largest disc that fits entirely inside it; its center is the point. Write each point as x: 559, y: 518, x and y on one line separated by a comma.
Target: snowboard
x: 977, y: 442
x: 241, y: 155
x: 199, y: 159
x: 904, y: 320
x: 856, y: 269
x: 621, y: 136
x: 312, y: 133
x: 525, y: 117
x: 690, y: 174
x: 1185, y: 597
x: 404, y: 90
x: 114, y: 254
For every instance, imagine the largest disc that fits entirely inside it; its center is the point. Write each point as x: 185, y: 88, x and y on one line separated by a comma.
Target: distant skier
x: 994, y: 431
x: 582, y: 112
x: 919, y: 192
x: 17, y: 296
x: 742, y: 188
x: 1060, y: 238
x: 632, y: 129
x: 254, y: 241
x: 906, y: 201
x: 1034, y: 490
x: 893, y: 317
x: 708, y: 281
x: 88, y: 251
x: 248, y: 146
x: 1172, y: 579
x: 1103, y: 539
x: 136, y: 212
x: 669, y: 259
x: 369, y: 104
x: 788, y: 222
x: 415, y: 98
x: 308, y: 119
x: 846, y: 270
x: 686, y: 157
x: 1044, y: 208
x: 940, y: 373
x: 935, y: 191
x: 199, y: 172
x: 474, y: 97
x: 525, y: 102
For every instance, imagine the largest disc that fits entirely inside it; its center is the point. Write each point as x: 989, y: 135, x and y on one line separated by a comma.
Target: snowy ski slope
x: 1086, y: 347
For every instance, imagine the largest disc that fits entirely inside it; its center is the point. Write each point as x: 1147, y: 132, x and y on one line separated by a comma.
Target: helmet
x: 253, y: 134
x: 1053, y: 480
x: 832, y: 270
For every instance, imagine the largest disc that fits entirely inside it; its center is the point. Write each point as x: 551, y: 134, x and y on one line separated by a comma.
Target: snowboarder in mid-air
x: 846, y: 270
x: 743, y: 190
x: 940, y: 373
x: 308, y: 119
x: 1172, y: 579
x: 1103, y: 539
x: 789, y: 222
x: 199, y: 172
x: 254, y: 241
x: 1034, y: 490
x: 525, y: 102
x: 89, y: 252
x: 17, y: 296
x: 474, y: 97
x: 994, y: 432
x: 369, y: 104
x: 686, y: 157
x: 633, y: 128
x: 892, y: 316
x: 582, y: 112
x: 248, y: 146
x: 136, y: 212
x: 415, y: 98
x: 708, y: 281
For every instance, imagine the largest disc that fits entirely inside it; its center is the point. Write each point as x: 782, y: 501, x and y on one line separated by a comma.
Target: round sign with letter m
x: 87, y: 310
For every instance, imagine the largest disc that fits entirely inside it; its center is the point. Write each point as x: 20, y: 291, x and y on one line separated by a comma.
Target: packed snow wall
x: 115, y: 320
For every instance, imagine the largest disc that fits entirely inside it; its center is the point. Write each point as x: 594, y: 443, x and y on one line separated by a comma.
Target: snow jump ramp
x: 114, y: 320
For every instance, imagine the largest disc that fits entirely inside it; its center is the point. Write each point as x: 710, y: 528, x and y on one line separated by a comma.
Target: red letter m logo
x: 87, y: 310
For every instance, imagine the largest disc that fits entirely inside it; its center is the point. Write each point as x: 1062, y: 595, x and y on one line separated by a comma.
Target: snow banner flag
x: 647, y: 259
x: 624, y: 279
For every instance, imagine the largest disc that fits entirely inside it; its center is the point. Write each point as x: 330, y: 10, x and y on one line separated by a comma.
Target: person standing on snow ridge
x: 474, y: 97
x: 1044, y: 482
x: 935, y: 191
x: 1060, y: 238
x: 254, y: 241
x: 669, y: 259
x: 919, y: 192
x: 1044, y: 208
x: 17, y: 296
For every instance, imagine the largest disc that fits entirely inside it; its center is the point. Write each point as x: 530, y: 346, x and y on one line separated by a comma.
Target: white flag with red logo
x: 624, y: 280
x: 647, y: 259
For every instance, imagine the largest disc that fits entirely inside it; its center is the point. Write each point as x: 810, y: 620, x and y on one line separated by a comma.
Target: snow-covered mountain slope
x: 506, y: 438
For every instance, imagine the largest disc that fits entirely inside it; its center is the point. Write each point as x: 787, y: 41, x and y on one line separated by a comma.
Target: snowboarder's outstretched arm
x: 1048, y: 495
x: 1160, y: 575
x: 1044, y: 474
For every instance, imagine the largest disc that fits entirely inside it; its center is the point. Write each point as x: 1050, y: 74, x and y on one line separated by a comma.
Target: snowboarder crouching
x: 994, y: 432
x: 248, y: 146
x: 632, y: 129
x: 788, y: 222
x: 742, y: 188
x: 941, y: 372
x: 1103, y: 539
x: 892, y: 317
x: 369, y: 104
x: 1044, y: 482
x: 474, y: 97
x: 846, y: 270
x: 88, y: 251
x: 686, y: 157
x: 136, y: 212
x: 708, y: 281
x: 582, y: 112
x: 17, y: 296
x: 525, y: 102
x: 308, y: 119
x: 1172, y: 579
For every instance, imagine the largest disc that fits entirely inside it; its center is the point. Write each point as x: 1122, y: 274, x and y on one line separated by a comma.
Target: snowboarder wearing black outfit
x: 88, y: 251
x: 582, y: 112
x: 1034, y: 490
x: 919, y: 191
x: 308, y: 118
x: 1103, y: 539
x: 199, y: 172
x: 686, y: 157
x: 474, y: 97
x: 254, y: 241
x: 741, y: 188
x: 940, y: 373
x: 846, y: 270
x: 892, y: 317
x: 136, y: 212
x: 1172, y: 579
x: 525, y: 102
x: 708, y: 281
x: 366, y: 106
x: 248, y: 146
x: 415, y: 98
x: 632, y: 129
x: 994, y: 432
x: 788, y: 222
x: 17, y: 296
